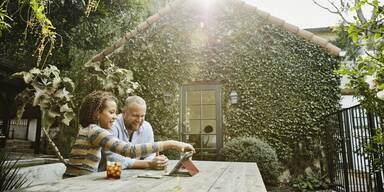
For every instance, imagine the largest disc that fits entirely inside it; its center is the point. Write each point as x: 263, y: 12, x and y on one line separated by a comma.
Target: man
x: 130, y: 126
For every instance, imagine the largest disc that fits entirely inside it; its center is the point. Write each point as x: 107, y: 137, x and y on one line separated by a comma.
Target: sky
x: 302, y: 13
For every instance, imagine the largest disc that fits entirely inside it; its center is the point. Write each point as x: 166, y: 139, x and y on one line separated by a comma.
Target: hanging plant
x: 52, y: 94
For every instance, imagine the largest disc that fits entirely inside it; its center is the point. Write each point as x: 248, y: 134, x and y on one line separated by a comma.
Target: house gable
x: 329, y: 47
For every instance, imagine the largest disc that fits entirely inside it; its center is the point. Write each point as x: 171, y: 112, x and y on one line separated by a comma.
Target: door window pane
x: 209, y: 141
x: 194, y: 140
x: 193, y: 126
x: 193, y: 112
x: 208, y: 112
x: 208, y: 97
x: 193, y: 97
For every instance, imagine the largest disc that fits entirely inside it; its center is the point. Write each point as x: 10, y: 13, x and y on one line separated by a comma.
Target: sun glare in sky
x: 302, y: 13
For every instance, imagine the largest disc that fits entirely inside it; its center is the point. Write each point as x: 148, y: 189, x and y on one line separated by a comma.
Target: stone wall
x: 43, y: 174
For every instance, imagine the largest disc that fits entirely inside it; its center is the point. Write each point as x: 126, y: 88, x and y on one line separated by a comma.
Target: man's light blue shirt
x: 143, y: 135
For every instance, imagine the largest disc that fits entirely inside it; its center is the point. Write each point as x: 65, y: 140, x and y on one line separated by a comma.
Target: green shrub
x: 310, y: 181
x: 251, y: 149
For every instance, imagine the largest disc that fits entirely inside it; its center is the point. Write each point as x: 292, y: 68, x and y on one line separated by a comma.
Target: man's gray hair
x: 134, y: 99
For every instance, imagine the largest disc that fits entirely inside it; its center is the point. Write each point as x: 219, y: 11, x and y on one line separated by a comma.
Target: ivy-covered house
x: 211, y: 71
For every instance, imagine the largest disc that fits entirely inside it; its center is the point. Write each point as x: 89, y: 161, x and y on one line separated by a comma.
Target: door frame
x: 202, y: 86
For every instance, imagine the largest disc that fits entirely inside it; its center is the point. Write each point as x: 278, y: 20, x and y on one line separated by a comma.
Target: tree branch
x: 379, y: 61
x: 337, y: 11
x: 324, y: 7
x: 360, y: 13
x: 55, y: 149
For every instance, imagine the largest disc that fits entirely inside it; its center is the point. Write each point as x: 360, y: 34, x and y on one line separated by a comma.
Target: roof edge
x: 140, y: 28
x: 328, y: 46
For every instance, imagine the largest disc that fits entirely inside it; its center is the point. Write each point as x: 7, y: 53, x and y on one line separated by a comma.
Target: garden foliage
x: 311, y: 181
x: 364, y: 47
x: 251, y: 149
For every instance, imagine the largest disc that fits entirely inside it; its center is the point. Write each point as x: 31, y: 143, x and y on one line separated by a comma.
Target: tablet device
x: 178, y: 165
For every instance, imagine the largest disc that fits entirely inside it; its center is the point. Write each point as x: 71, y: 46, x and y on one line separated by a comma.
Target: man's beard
x: 130, y: 127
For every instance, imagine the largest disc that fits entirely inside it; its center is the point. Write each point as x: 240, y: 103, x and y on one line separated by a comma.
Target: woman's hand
x: 181, y: 146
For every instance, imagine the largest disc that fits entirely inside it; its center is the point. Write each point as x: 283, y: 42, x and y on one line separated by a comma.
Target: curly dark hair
x: 93, y: 102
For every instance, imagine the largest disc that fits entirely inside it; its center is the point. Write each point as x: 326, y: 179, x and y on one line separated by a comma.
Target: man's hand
x: 159, y: 162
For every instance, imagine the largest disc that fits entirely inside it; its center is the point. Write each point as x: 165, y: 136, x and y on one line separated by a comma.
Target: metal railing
x: 22, y: 126
x: 350, y: 166
x: 2, y: 129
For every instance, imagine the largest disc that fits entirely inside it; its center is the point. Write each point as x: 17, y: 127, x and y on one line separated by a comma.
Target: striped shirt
x: 86, y: 152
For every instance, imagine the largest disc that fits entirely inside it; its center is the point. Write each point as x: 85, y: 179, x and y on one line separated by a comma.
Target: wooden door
x: 201, y: 119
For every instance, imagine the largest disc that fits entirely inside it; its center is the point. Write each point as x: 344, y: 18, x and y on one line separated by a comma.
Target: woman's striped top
x: 86, y: 152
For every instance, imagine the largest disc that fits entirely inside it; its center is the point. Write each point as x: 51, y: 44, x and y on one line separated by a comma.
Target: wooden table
x: 213, y: 176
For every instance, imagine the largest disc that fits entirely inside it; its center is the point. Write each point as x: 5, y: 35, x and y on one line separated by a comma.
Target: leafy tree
x: 365, y: 32
x: 49, y: 41
x: 41, y: 28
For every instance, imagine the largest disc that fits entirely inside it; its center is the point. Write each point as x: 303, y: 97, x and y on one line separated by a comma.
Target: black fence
x: 2, y: 134
x: 2, y: 130
x: 350, y: 166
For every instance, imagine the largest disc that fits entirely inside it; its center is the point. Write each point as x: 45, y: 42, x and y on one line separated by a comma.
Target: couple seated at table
x: 130, y: 126
x: 125, y: 135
